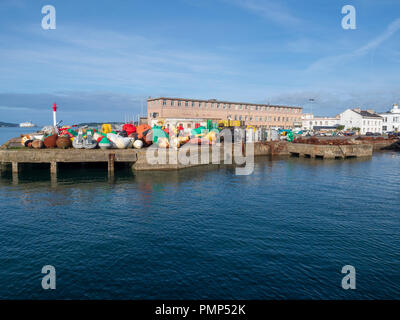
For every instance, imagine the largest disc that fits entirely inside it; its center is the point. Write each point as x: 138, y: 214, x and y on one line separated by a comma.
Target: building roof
x: 223, y: 101
x: 367, y: 114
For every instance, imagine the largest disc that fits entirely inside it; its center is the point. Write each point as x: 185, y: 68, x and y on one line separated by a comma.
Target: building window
x: 164, y: 102
x: 172, y: 102
x: 217, y: 105
x: 229, y: 106
x: 236, y: 117
x: 192, y: 103
x: 199, y: 104
x: 186, y: 103
x: 179, y: 103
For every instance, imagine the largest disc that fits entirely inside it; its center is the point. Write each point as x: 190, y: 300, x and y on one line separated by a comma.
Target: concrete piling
x: 53, y: 168
x: 111, y: 163
x: 14, y: 167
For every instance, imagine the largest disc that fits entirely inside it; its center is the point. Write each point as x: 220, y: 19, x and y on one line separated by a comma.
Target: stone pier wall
x: 330, y: 151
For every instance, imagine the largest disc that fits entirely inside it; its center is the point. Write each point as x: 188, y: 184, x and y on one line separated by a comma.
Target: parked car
x: 369, y: 134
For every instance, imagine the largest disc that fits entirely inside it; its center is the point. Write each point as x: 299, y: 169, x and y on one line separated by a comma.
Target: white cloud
x: 95, y: 58
x: 332, y: 61
x: 268, y: 9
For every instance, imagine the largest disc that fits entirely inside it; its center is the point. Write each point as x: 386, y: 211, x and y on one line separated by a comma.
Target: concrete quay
x: 140, y: 159
x: 330, y: 151
x: 187, y: 156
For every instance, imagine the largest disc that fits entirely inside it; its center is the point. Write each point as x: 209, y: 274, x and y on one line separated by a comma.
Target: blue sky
x: 106, y: 57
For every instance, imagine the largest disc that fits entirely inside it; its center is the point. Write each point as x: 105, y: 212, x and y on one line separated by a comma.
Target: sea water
x: 284, y: 232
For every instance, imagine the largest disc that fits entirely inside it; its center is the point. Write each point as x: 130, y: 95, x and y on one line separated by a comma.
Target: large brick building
x: 270, y: 116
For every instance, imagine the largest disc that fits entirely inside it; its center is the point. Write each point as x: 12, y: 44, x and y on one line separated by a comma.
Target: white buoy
x: 138, y: 144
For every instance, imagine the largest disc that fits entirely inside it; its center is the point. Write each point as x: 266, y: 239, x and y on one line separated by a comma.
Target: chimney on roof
x: 357, y: 109
x: 371, y: 111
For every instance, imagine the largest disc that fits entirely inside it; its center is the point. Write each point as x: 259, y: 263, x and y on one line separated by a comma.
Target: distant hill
x: 94, y: 124
x: 8, y: 125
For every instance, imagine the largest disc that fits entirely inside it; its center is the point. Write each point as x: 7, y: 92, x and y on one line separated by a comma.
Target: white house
x: 367, y: 121
x: 309, y: 121
x: 306, y: 121
x: 391, y: 119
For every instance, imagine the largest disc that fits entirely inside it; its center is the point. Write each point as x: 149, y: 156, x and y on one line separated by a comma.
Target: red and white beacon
x: 54, y: 114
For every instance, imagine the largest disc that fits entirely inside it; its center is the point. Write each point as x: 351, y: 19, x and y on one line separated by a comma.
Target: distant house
x: 391, y: 119
x: 311, y: 122
x: 366, y: 120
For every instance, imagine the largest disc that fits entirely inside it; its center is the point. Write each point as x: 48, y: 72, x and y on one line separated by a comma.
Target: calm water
x: 283, y: 232
x: 8, y: 133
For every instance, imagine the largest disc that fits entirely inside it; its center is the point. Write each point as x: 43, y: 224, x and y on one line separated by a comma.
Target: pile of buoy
x: 129, y: 137
x: 86, y: 138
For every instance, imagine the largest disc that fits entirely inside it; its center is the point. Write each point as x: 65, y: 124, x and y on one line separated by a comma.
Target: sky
x: 105, y: 58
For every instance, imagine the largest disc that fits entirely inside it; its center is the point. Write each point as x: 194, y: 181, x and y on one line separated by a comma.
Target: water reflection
x: 85, y: 182
x: 173, y: 234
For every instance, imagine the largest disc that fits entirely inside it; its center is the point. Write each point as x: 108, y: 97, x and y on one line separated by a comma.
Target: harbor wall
x: 330, y: 151
x: 185, y: 157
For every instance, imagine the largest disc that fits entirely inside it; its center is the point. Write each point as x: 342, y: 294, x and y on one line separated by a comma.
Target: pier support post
x: 15, y: 178
x: 3, y: 167
x: 53, y: 168
x: 14, y: 172
x: 111, y: 162
x: 14, y: 167
x: 53, y: 173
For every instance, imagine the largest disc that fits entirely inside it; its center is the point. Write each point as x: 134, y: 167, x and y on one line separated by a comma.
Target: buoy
x: 63, y: 143
x: 163, y: 142
x: 51, y: 141
x: 174, y: 142
x: 138, y: 144
x: 105, y: 143
x: 37, y: 144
